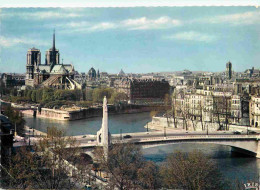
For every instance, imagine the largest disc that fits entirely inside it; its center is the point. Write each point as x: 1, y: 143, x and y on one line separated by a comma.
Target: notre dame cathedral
x: 51, y: 73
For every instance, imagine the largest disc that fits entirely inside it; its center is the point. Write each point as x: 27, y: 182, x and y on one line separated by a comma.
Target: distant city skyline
x: 137, y: 40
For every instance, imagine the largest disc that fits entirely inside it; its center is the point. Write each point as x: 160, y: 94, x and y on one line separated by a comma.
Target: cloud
x: 53, y: 14
x: 9, y: 42
x: 84, y: 26
x: 144, y: 23
x: 192, y: 36
x: 39, y: 15
x: 75, y: 24
x: 246, y: 18
x: 103, y: 26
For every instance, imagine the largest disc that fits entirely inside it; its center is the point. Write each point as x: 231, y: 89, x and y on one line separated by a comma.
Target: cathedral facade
x: 50, y: 74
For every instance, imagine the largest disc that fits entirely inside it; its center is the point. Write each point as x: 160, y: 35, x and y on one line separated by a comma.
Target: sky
x: 135, y: 39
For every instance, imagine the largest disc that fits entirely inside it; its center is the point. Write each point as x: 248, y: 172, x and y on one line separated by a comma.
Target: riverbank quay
x: 83, y: 113
x: 159, y: 123
x: 78, y: 113
x: 34, y: 132
x: 31, y: 136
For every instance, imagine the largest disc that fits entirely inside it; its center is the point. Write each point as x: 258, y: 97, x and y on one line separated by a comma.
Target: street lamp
x: 15, y: 129
x: 29, y: 137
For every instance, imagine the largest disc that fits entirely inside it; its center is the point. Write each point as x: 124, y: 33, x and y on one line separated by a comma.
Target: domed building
x: 92, y: 75
x: 121, y: 73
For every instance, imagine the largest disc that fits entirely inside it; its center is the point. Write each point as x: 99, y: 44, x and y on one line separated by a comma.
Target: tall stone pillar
x: 103, y: 135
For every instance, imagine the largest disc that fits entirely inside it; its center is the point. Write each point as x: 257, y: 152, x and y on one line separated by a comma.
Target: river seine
x: 233, y: 166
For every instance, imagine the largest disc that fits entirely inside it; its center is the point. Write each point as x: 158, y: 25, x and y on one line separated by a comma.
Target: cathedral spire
x: 53, y: 45
x: 53, y: 50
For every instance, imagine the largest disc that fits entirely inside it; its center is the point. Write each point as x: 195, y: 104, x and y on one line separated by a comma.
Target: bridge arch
x: 244, y: 146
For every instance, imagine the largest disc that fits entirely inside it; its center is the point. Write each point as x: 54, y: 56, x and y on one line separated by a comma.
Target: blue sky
x: 138, y: 40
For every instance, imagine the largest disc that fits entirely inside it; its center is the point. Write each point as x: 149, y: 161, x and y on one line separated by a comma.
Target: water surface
x: 127, y: 122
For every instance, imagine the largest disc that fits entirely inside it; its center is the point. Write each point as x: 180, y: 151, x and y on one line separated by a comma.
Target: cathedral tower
x: 33, y: 60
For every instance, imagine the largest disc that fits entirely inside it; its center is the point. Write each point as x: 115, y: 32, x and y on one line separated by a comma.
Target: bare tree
x: 191, y: 171
x: 192, y: 117
x: 222, y: 110
x: 46, y: 164
x: 121, y: 165
x: 167, y: 103
x: 174, y: 110
x: 200, y: 115
x: 126, y: 168
x: 217, y: 112
x: 184, y: 115
x: 149, y: 176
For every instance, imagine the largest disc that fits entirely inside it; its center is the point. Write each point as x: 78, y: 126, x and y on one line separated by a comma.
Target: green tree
x: 47, y: 95
x: 118, y: 97
x: 88, y: 94
x: 28, y: 94
x: 99, y: 93
x: 33, y: 96
x: 16, y: 119
x: 39, y: 93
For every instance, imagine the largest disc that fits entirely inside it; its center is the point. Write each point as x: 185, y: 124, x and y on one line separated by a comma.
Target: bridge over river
x: 247, y: 144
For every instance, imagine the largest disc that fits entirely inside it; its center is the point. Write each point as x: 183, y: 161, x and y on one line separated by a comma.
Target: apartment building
x: 208, y: 106
x: 254, y: 111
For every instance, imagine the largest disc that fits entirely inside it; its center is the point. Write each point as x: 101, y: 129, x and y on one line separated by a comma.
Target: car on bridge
x: 127, y: 136
x: 238, y: 132
x: 252, y: 132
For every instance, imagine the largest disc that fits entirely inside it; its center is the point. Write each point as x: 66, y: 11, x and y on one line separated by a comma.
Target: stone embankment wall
x: 64, y: 115
x: 161, y: 122
x: 84, y: 113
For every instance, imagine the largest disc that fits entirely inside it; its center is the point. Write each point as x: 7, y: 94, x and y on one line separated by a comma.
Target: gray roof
x: 59, y: 69
x: 69, y: 68
x: 47, y: 68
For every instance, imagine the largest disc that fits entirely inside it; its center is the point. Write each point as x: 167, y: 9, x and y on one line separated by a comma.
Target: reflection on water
x: 233, y: 166
x: 127, y: 122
